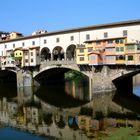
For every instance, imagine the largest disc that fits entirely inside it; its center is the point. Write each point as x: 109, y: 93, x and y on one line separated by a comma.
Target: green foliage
x: 75, y: 76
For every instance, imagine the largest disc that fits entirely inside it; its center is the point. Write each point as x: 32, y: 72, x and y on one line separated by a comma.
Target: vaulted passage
x: 8, y: 83
x: 71, y: 52
x: 58, y: 53
x: 124, y: 95
x: 63, y: 87
x: 45, y: 54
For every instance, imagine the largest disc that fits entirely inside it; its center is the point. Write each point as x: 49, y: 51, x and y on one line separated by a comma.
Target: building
x: 105, y: 44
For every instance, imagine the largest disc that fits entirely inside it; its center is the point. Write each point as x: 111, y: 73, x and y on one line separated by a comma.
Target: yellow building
x: 82, y: 55
x: 120, y: 50
x: 14, y: 35
x: 18, y: 54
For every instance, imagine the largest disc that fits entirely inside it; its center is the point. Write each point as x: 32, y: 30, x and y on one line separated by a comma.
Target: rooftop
x: 99, y: 26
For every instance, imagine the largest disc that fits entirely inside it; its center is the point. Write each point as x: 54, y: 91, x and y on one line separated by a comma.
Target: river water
x: 59, y: 111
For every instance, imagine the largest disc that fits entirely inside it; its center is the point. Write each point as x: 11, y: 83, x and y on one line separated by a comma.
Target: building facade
x: 106, y: 44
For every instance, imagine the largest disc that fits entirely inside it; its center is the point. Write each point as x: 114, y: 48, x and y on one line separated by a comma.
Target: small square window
x: 23, y: 44
x: 32, y: 60
x: 98, y: 43
x: 87, y: 37
x: 124, y: 32
x: 33, y: 42
x: 81, y: 50
x: 13, y: 45
x: 105, y: 35
x: 26, y: 60
x: 90, y: 49
x: 45, y: 41
x: 31, y: 53
x: 72, y: 38
x: 5, y: 46
x: 81, y: 58
x: 57, y: 40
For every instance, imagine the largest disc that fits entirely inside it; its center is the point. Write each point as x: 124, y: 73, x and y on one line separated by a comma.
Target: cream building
x: 62, y: 45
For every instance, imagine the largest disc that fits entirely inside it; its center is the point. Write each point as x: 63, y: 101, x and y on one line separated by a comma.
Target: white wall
x: 79, y: 38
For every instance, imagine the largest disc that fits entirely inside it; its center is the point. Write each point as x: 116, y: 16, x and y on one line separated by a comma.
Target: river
x: 63, y: 112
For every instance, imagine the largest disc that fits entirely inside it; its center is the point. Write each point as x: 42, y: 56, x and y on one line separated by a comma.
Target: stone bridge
x: 101, y: 78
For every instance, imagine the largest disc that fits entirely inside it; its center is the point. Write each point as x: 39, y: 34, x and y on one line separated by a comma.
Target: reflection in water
x: 68, y: 119
x: 58, y: 97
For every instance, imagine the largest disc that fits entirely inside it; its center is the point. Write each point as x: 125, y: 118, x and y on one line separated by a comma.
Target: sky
x: 27, y: 16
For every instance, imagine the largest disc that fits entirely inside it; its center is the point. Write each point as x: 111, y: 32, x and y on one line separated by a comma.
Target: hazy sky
x: 27, y: 16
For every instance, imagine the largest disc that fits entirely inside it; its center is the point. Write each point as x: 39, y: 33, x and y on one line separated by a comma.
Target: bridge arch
x: 124, y: 82
x: 69, y: 67
x: 71, y: 52
x: 58, y: 53
x: 55, y: 73
x: 45, y: 54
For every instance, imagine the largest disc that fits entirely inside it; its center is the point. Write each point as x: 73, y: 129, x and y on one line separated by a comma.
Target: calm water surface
x: 58, y: 111
x: 13, y: 134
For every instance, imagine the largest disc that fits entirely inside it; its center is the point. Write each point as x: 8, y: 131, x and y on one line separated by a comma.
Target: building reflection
x: 89, y: 120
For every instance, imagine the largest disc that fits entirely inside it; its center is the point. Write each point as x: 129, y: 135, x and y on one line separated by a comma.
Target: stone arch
x: 45, y: 54
x: 71, y: 52
x: 58, y: 53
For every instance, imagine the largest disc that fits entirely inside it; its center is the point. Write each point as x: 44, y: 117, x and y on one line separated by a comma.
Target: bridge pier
x: 101, y: 79
x: 24, y: 79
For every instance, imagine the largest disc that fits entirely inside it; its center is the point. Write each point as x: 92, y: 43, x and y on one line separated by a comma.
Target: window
x: 130, y: 47
x: 120, y: 57
x: 57, y: 40
x: 121, y: 41
x: 33, y: 42
x: 124, y: 32
x: 130, y: 58
x: 72, y: 38
x: 117, y: 41
x: 110, y: 41
x: 117, y: 49
x: 16, y: 54
x: 138, y: 47
x: 81, y: 58
x: 45, y: 41
x: 26, y: 60
x: 122, y: 49
x: 23, y: 44
x: 13, y: 45
x: 90, y: 49
x: 98, y: 43
x: 87, y: 37
x: 109, y: 49
x: 31, y: 53
x: 110, y: 57
x: 5, y: 46
x: 20, y: 53
x: 32, y: 60
x: 26, y: 53
x: 92, y: 57
x: 81, y: 50
x: 105, y: 35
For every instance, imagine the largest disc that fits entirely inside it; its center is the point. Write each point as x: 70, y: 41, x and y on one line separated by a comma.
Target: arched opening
x: 70, y: 52
x: 45, y: 54
x: 58, y: 53
x: 60, y: 85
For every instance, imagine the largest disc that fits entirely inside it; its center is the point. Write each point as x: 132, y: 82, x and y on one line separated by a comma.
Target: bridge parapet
x: 59, y: 62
